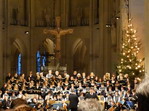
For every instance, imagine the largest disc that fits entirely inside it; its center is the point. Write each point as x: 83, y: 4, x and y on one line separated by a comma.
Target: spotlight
x: 108, y: 25
x: 117, y: 18
x: 26, y: 32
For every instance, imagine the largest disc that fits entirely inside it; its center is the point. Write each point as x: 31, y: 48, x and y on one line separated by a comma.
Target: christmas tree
x: 129, y: 61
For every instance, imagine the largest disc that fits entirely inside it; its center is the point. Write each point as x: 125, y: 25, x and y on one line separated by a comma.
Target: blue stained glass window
x: 43, y: 61
x: 40, y: 61
x: 19, y: 65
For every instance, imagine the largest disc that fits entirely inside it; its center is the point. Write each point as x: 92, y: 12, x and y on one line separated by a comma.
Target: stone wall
x: 100, y: 40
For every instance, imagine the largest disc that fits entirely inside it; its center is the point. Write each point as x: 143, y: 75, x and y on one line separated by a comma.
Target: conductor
x: 73, y: 98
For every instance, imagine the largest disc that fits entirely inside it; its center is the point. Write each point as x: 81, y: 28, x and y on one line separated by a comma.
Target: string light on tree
x: 129, y: 61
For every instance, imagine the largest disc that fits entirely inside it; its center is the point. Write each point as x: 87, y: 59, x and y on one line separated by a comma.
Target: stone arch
x: 17, y: 48
x: 46, y: 48
x: 49, y: 45
x: 79, y: 56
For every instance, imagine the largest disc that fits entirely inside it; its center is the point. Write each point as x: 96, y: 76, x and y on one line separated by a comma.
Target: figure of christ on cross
x: 58, y: 32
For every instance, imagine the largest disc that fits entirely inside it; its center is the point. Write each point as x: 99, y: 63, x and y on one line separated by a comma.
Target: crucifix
x: 58, y: 32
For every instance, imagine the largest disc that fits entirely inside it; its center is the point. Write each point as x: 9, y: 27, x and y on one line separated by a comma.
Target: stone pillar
x: 63, y: 7
x: 1, y: 42
x: 146, y: 40
x: 32, y: 38
x: 5, y: 40
x: 91, y: 35
x: 101, y: 36
x: 106, y: 37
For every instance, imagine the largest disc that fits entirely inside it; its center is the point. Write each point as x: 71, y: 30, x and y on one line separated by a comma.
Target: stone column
x: 91, y: 35
x: 63, y: 8
x: 106, y: 37
x: 146, y: 39
x: 1, y: 42
x: 32, y: 38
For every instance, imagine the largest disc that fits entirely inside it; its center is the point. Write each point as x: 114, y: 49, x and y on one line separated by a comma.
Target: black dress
x: 73, y: 98
x: 143, y: 103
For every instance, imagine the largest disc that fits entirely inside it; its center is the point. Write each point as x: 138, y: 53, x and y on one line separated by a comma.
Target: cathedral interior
x: 94, y: 46
x: 87, y: 39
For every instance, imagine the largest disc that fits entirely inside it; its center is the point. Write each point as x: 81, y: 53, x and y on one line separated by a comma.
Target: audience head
x: 89, y: 105
x: 50, y: 71
x: 92, y: 90
x: 143, y: 95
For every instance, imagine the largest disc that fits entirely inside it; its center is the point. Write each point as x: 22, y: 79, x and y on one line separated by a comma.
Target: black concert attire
x: 73, y: 98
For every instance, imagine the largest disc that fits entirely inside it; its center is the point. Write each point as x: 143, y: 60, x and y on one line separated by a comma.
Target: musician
x: 42, y: 78
x: 47, y: 105
x: 91, y: 95
x: 136, y: 83
x: 96, y: 79
x: 92, y: 84
x: 31, y: 86
x: 61, y: 87
x: 32, y: 78
x: 5, y: 95
x: 108, y: 101
x: 113, y: 80
x: 92, y: 76
x: 8, y: 77
x: 66, y: 77
x: 37, y: 87
x: 13, y: 96
x: 16, y: 87
x: 84, y: 82
x: 20, y: 95
x: 3, y: 89
x: 66, y: 83
x: 123, y: 91
x: 38, y: 78
x: 58, y: 88
x: 65, y: 90
x: 113, y: 106
x: 23, y: 87
x: 6, y: 103
x: 108, y: 84
x: 49, y: 75
x: 73, y: 98
x: 110, y: 91
x: 119, y: 107
x: 16, y: 76
x: 71, y: 80
x: 81, y: 97
x: 44, y: 91
x: 75, y: 74
x: 83, y: 75
x: 9, y: 87
x: 116, y: 97
x: 22, y: 78
x: 80, y: 87
x: 106, y: 77
x: 56, y: 74
x: 103, y: 89
x: 79, y: 77
x: 48, y: 96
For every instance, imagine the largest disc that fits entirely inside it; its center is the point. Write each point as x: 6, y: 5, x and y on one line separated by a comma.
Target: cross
x: 58, y: 32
